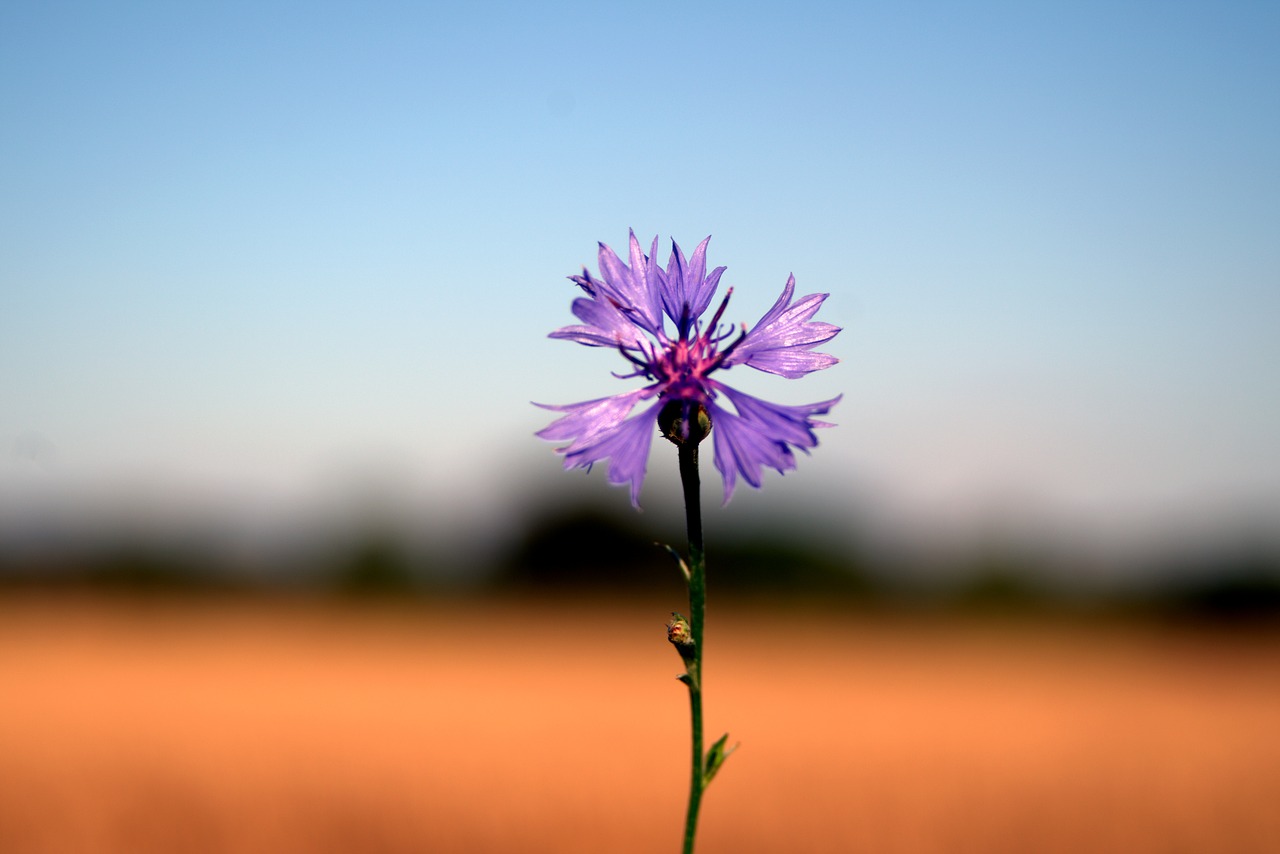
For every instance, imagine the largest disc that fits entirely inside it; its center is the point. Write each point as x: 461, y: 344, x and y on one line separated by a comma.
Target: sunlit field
x: 180, y: 726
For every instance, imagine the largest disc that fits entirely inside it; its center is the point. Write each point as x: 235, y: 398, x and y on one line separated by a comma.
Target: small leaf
x: 684, y: 567
x: 715, y: 758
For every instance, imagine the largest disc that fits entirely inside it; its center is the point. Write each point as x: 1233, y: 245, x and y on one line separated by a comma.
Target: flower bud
x: 678, y: 631
x: 683, y: 421
x: 681, y: 636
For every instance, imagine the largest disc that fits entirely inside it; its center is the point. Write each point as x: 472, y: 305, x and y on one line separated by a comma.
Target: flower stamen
x: 724, y: 354
x: 715, y: 318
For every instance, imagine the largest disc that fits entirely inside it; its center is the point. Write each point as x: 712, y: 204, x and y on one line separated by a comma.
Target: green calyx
x: 684, y: 422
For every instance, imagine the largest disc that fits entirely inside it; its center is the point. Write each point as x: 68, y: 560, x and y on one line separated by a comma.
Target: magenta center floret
x: 684, y: 364
x: 683, y: 367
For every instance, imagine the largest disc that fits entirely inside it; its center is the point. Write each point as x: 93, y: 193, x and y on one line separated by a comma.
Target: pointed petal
x: 589, y: 418
x: 701, y: 287
x: 742, y: 448
x: 605, y: 326
x: 617, y: 278
x: 793, y: 363
x: 688, y: 289
x: 673, y: 296
x: 778, y: 307
x: 709, y: 289
x: 637, y: 260
x: 587, y: 282
x: 647, y: 299
x: 780, y: 342
x: 627, y: 448
x: 760, y: 434
x: 628, y: 287
x: 598, y: 432
x: 790, y: 424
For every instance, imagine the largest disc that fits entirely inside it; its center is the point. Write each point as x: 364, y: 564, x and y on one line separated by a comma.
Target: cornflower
x: 625, y: 310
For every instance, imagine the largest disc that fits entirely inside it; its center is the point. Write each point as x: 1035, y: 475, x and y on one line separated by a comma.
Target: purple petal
x: 701, y: 287
x: 688, y: 286
x: 606, y: 326
x: 655, y: 285
x: 648, y: 290
x: 587, y: 282
x: 588, y: 335
x: 780, y: 342
x: 792, y: 364
x: 761, y: 434
x: 627, y: 448
x: 709, y: 288
x: 629, y: 287
x: 637, y: 261
x: 791, y: 424
x: 617, y: 277
x: 588, y: 419
x: 673, y: 296
x: 598, y: 432
x: 742, y: 447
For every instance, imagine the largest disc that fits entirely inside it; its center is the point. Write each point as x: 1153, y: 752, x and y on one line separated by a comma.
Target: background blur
x: 276, y: 279
x: 269, y: 268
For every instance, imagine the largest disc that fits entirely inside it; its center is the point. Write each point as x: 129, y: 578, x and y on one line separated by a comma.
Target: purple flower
x: 625, y: 311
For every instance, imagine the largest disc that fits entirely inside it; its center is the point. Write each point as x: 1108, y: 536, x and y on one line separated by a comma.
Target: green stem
x: 697, y: 612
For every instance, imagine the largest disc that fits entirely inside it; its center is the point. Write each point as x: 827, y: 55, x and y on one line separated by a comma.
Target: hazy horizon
x: 266, y: 266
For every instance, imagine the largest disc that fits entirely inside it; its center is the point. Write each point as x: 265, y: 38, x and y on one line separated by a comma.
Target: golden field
x: 188, y: 726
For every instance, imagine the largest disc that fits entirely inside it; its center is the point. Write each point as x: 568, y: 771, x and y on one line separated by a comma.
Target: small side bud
x: 680, y: 635
x: 678, y: 631
x: 684, y: 421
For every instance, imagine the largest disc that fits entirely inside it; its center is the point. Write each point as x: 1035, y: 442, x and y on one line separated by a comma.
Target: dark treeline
x: 585, y: 549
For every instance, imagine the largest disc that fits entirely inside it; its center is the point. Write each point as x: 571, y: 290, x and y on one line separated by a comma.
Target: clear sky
x: 254, y: 255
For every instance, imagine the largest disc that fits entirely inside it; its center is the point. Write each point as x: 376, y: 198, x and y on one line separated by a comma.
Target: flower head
x: 625, y: 310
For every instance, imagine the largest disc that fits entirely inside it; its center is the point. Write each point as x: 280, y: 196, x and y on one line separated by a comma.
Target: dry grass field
x: 169, y: 726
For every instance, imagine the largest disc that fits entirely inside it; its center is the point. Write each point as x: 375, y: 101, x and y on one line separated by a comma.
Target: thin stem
x: 692, y: 502
x: 697, y: 611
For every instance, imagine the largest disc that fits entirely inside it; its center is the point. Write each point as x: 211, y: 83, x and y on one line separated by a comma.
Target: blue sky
x: 255, y: 255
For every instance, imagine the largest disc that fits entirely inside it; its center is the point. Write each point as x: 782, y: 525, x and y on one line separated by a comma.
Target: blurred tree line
x: 586, y: 548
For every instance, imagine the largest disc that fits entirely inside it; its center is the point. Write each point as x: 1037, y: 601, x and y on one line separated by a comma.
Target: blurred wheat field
x: 170, y: 726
